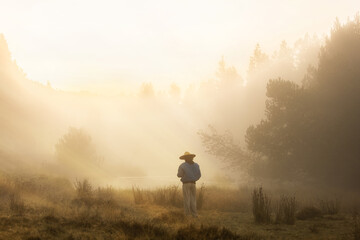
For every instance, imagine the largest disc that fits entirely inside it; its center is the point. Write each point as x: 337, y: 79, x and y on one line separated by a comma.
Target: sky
x: 112, y: 46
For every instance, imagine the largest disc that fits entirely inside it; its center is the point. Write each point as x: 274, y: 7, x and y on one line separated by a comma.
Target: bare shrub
x: 84, y: 191
x: 285, y: 210
x: 200, y: 197
x: 330, y: 206
x: 16, y: 204
x: 308, y: 212
x: 261, y: 206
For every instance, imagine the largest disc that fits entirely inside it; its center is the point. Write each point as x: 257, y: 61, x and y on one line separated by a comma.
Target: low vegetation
x: 261, y: 206
x: 29, y: 210
x: 285, y: 210
x: 309, y: 212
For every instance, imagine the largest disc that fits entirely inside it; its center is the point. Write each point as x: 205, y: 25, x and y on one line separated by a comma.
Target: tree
x: 224, y: 147
x: 258, y: 60
x: 175, y: 91
x: 313, y: 131
x: 228, y: 76
x: 76, y: 150
x: 147, y: 90
x: 277, y: 136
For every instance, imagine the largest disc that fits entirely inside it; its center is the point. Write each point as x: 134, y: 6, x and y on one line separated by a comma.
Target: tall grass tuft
x: 285, y: 210
x: 330, y: 206
x: 105, y: 197
x: 139, y: 195
x: 164, y: 196
x: 200, y: 197
x: 16, y: 204
x: 84, y: 191
x: 261, y: 206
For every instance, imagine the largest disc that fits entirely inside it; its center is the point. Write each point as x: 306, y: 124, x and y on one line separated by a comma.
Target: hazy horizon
x: 112, y: 47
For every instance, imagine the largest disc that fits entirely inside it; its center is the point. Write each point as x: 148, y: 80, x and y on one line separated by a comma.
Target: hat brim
x: 187, y: 156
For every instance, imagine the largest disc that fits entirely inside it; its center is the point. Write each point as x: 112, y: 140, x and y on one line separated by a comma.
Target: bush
x: 261, y: 206
x: 309, y: 212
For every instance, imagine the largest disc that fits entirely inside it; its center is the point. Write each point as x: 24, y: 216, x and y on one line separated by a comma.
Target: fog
x: 133, y: 133
x: 137, y: 138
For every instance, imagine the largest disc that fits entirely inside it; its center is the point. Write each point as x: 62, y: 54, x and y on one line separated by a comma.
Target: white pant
x: 189, y: 193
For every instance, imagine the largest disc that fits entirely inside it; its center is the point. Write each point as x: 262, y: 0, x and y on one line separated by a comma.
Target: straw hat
x: 187, y: 155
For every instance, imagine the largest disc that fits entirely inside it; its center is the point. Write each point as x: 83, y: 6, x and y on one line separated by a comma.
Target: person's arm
x: 198, y: 173
x: 180, y: 172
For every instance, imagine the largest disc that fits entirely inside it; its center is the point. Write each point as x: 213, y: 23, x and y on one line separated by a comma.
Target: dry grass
x: 261, y: 206
x: 330, y: 206
x: 285, y: 210
x: 89, y: 212
x: 308, y: 212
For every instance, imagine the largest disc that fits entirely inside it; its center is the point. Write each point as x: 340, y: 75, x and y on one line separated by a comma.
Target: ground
x: 29, y: 209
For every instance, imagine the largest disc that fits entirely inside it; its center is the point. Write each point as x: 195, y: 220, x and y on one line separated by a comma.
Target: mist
x: 137, y: 138
x: 179, y: 120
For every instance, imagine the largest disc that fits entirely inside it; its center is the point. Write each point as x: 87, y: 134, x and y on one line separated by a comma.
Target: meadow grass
x: 29, y: 210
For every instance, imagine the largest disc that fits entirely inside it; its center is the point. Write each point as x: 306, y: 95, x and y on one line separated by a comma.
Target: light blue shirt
x: 189, y: 172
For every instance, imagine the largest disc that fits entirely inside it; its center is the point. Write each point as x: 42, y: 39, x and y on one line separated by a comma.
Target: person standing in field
x: 189, y: 172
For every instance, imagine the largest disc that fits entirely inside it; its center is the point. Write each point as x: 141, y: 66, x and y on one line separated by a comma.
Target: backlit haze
x: 111, y: 47
x: 146, y: 81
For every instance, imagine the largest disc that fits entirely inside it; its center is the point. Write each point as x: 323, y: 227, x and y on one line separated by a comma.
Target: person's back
x: 189, y: 172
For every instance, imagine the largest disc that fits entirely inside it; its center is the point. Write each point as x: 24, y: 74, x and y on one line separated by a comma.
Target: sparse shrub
x: 330, y: 206
x: 308, y: 213
x: 285, y: 210
x: 261, y: 206
x: 84, y: 191
x: 200, y: 197
x: 16, y: 204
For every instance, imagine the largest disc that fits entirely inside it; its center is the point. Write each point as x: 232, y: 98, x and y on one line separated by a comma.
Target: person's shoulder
x: 183, y: 164
x: 196, y: 164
